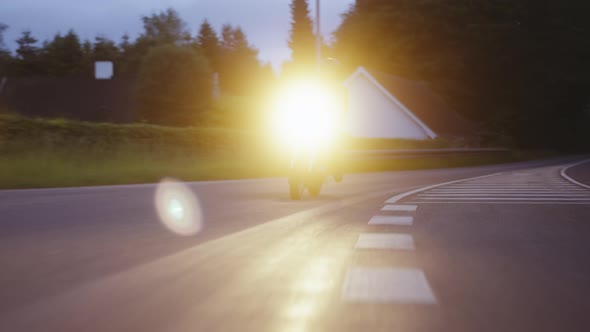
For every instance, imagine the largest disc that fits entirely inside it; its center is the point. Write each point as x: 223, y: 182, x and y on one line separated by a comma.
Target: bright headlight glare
x: 305, y: 115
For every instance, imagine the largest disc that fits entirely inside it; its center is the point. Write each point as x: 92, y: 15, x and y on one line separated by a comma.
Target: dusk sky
x: 266, y: 22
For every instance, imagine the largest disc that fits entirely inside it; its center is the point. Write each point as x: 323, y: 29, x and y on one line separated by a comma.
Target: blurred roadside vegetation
x: 37, y: 153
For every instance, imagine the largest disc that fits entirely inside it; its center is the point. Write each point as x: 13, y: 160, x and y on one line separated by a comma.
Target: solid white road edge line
x: 565, y: 176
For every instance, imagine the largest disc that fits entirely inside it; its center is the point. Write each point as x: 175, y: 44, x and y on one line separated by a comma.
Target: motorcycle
x: 306, y: 121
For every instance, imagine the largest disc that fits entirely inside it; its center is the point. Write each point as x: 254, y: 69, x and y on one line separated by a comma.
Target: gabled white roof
x: 362, y: 71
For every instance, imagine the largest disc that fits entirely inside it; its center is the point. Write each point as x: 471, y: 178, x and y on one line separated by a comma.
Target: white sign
x: 103, y: 70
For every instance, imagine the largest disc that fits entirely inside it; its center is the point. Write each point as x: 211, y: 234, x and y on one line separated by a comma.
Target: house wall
x: 373, y: 115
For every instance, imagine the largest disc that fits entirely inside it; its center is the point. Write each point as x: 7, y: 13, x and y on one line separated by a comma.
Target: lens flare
x: 178, y: 208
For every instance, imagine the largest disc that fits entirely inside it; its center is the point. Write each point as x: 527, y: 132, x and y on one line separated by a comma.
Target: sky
x: 265, y: 22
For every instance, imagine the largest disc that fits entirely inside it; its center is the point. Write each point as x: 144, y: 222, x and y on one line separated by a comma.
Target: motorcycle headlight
x: 306, y: 115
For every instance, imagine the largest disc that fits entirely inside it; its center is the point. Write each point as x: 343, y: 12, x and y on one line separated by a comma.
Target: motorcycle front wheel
x: 296, y: 190
x: 314, y: 188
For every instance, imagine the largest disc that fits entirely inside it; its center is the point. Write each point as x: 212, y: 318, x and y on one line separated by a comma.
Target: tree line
x: 518, y: 67
x: 173, y: 70
x: 67, y: 55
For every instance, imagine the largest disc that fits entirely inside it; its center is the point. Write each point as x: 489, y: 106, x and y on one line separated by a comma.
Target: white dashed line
x: 387, y: 285
x: 385, y: 241
x: 392, y: 220
x: 399, y: 208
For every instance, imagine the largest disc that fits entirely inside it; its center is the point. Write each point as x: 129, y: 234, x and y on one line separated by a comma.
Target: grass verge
x: 36, y: 153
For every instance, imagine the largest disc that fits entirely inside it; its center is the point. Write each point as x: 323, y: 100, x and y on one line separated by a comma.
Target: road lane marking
x: 585, y: 195
x: 396, y: 198
x: 540, y: 186
x: 387, y: 285
x: 391, y: 241
x: 500, y: 203
x: 513, y: 184
x: 507, y: 192
x: 563, y: 173
x: 399, y: 207
x: 392, y: 220
x: 507, y: 198
x: 516, y: 186
x: 477, y: 186
x: 580, y: 190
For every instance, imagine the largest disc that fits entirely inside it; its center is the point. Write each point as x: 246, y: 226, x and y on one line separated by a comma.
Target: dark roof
x: 425, y: 104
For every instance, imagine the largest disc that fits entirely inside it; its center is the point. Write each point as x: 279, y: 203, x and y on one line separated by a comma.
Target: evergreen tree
x: 239, y: 61
x: 208, y: 43
x: 104, y: 49
x: 3, y: 27
x: 175, y: 86
x: 164, y: 28
x: 64, y: 55
x: 301, y: 35
x: 27, y: 61
x: 124, y: 61
x: 5, y: 57
x: 125, y: 43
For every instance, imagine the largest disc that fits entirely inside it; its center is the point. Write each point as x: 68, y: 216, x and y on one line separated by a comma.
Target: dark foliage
x: 521, y: 68
x: 175, y: 86
x: 174, y: 70
x: 301, y: 36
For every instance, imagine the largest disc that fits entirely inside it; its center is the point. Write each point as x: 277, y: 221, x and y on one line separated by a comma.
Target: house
x: 386, y: 106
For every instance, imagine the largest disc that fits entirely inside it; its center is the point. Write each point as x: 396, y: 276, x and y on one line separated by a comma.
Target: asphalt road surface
x: 508, y: 249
